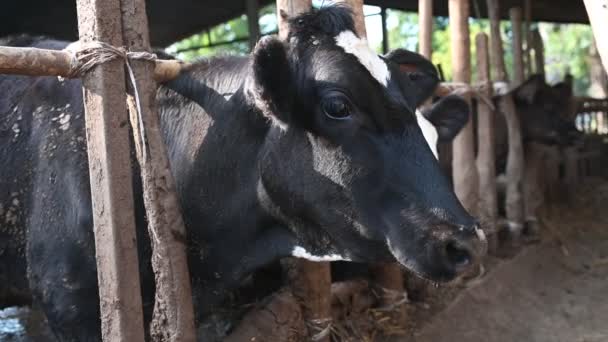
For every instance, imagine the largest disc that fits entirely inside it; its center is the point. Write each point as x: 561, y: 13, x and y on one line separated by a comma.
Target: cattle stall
x: 120, y: 77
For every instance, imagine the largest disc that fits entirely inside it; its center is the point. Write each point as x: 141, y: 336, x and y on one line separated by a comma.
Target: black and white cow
x: 542, y: 112
x: 308, y: 147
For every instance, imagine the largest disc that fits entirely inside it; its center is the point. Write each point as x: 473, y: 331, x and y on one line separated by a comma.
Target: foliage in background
x: 566, y: 46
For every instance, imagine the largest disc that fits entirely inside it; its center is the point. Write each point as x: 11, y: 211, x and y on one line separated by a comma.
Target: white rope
x: 91, y: 54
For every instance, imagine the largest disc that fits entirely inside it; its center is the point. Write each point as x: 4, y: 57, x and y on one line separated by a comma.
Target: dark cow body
x: 298, y: 150
x: 541, y: 110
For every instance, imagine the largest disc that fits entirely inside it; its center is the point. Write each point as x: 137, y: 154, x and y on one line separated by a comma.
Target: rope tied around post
x: 88, y: 55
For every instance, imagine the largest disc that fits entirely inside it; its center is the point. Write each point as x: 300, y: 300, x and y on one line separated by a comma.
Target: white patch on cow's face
x: 300, y: 252
x: 348, y: 41
x: 429, y: 131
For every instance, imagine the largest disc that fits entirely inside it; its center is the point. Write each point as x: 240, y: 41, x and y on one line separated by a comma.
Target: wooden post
x: 357, y: 7
x: 598, y: 77
x: 384, y: 30
x: 173, y: 318
x: 539, y: 52
x: 252, y: 22
x: 387, y: 276
x: 598, y: 17
x: 464, y: 170
x: 110, y: 177
x: 517, y: 46
x: 416, y: 287
x: 527, y: 33
x: 515, y: 160
x: 310, y: 282
x: 287, y: 9
x: 486, y: 155
x: 425, y: 24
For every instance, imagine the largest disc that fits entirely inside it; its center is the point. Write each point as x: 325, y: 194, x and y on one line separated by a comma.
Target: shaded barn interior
x: 572, y: 218
x: 173, y: 20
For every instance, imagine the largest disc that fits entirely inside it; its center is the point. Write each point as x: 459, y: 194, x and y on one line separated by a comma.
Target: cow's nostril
x: 457, y: 255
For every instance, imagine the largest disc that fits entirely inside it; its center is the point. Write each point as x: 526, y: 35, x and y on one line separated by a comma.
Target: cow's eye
x: 336, y: 108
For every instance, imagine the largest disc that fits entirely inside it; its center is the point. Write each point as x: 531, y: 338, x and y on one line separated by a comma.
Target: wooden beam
x: 253, y: 8
x: 44, y: 62
x: 486, y: 155
x: 110, y: 177
x: 506, y: 106
x: 517, y: 46
x: 173, y: 318
x: 425, y: 24
x: 287, y: 9
x: 464, y: 170
x: 598, y: 17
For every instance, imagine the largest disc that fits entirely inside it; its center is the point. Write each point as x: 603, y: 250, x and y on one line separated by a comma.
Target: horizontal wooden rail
x: 43, y: 62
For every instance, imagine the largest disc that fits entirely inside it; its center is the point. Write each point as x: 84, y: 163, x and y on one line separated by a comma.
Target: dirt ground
x: 554, y: 290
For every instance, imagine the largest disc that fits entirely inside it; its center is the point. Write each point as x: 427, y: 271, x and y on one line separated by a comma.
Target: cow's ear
x: 448, y: 115
x: 269, y: 84
x: 417, y: 76
x: 528, y: 90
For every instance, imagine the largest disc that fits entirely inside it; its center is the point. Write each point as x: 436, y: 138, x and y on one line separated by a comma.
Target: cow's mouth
x: 442, y: 259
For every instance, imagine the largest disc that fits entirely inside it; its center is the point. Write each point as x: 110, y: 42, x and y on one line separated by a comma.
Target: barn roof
x: 176, y: 19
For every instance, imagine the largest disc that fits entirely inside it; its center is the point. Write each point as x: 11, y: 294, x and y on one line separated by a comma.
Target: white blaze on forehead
x: 429, y: 131
x: 348, y: 41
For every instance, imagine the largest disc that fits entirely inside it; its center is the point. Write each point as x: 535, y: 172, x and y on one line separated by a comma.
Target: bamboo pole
x: 515, y: 160
x: 517, y: 45
x: 598, y: 17
x: 464, y: 170
x: 425, y: 24
x: 173, y: 317
x: 43, y: 62
x: 310, y: 282
x: 110, y: 178
x: 486, y: 155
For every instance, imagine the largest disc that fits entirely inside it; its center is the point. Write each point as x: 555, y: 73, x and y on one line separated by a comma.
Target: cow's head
x: 543, y: 112
x: 345, y: 165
